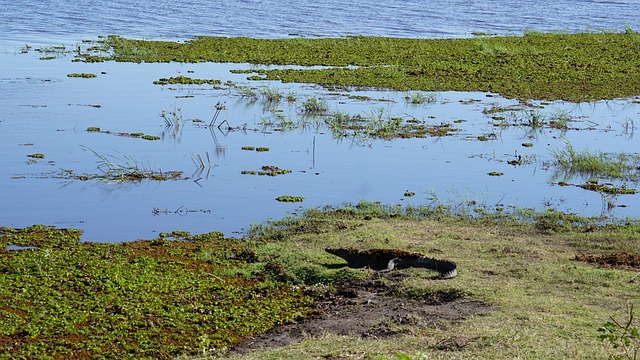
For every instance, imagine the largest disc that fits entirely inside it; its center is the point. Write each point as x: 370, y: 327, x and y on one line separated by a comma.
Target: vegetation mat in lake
x: 574, y: 67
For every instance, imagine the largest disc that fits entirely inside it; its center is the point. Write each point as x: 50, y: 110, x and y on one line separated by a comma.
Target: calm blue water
x: 63, y: 19
x: 44, y: 111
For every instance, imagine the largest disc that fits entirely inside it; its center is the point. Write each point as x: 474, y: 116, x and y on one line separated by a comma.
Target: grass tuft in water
x: 588, y: 163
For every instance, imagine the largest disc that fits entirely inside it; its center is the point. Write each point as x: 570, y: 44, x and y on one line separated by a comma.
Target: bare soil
x: 620, y: 260
x: 367, y: 310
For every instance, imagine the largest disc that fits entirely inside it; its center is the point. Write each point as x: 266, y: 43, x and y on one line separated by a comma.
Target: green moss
x: 575, y: 67
x: 82, y: 75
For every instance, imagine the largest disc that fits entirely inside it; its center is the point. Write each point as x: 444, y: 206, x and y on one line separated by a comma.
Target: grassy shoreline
x: 549, y: 66
x: 192, y: 295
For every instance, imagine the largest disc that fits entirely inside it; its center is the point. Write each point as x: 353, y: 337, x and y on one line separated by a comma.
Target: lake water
x: 44, y: 111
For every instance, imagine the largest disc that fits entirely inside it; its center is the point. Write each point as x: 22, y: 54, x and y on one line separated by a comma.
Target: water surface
x: 44, y: 111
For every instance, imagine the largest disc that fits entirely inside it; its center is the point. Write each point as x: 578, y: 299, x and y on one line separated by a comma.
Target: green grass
x: 203, y: 293
x: 596, y: 164
x: 574, y: 67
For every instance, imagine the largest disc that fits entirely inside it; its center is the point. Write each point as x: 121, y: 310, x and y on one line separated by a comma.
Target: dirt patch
x: 366, y: 310
x: 621, y: 260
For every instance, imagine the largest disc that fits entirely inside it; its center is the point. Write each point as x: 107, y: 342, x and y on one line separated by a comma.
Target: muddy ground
x: 367, y: 310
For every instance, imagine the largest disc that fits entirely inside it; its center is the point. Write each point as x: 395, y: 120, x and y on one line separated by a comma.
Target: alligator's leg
x: 391, y: 265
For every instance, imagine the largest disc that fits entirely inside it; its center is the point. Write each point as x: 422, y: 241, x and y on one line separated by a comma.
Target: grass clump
x: 574, y: 67
x: 593, y: 164
x: 314, y: 106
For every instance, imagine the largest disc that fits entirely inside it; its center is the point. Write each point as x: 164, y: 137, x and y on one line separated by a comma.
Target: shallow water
x: 47, y: 112
x: 44, y: 111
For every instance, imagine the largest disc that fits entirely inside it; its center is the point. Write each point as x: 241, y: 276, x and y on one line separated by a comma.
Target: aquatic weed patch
x: 184, y: 80
x: 574, y: 67
x: 145, y: 299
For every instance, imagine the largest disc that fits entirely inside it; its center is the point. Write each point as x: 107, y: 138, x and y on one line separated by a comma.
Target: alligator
x: 389, y: 259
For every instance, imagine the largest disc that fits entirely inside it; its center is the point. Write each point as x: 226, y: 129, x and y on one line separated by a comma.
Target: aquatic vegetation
x: 126, y: 168
x: 418, y: 98
x: 574, y: 67
x: 36, y: 156
x: 268, y: 170
x: 173, y: 117
x: 527, y: 144
x: 262, y: 149
x: 290, y: 198
x: 93, y: 129
x: 219, y: 106
x: 159, y: 298
x: 495, y: 173
x: 150, y: 137
x: 596, y: 164
x: 270, y: 94
x: 533, y: 118
x: 186, y: 81
x: 409, y: 193
x: 380, y: 125
x: 82, y: 75
x: 593, y: 185
x: 314, y: 106
x: 248, y: 148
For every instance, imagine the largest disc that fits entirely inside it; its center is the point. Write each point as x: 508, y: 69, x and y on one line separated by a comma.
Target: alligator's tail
x: 447, y: 269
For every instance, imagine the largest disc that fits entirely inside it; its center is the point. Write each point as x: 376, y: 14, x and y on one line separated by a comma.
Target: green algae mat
x: 60, y: 298
x: 573, y: 67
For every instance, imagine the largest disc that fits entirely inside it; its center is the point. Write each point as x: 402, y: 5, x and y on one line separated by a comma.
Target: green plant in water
x: 172, y: 118
x: 270, y: 94
x: 127, y: 168
x: 595, y: 164
x: 314, y: 106
x: 82, y: 75
x: 623, y: 335
x: 418, y: 98
x: 290, y: 198
x: 535, y: 66
x: 186, y: 81
x: 36, y: 156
